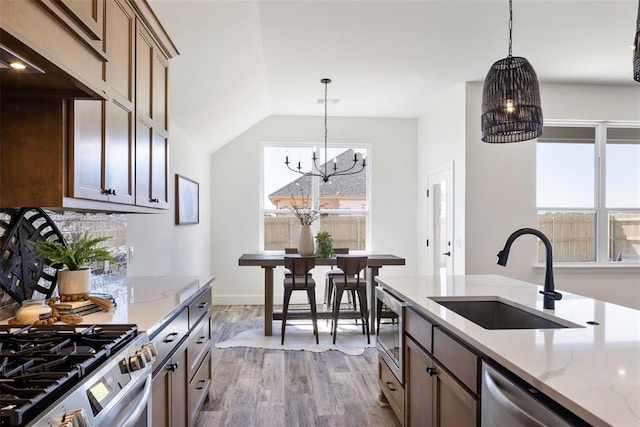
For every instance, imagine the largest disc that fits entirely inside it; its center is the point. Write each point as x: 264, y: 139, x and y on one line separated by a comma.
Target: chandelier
x: 511, y: 110
x: 325, y: 171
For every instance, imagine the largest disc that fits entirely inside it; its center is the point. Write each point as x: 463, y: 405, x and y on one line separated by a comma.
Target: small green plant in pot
x: 324, y: 244
x: 76, y: 255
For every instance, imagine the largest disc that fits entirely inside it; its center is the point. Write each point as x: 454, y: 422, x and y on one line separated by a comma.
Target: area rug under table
x: 350, y: 339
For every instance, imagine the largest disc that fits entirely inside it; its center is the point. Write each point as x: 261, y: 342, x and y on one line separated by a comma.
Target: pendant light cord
x: 510, y: 26
x: 326, y: 83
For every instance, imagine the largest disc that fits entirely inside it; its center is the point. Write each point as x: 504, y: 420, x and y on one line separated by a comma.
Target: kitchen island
x: 592, y: 370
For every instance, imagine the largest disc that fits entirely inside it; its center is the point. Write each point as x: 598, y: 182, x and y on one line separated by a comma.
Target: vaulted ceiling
x: 243, y: 60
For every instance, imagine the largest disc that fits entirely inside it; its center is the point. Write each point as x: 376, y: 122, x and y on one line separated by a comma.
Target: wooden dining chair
x: 351, y: 280
x: 289, y: 251
x: 330, y: 274
x: 300, y: 280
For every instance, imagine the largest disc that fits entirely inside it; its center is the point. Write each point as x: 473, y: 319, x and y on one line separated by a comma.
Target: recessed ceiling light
x: 17, y: 62
x: 17, y: 66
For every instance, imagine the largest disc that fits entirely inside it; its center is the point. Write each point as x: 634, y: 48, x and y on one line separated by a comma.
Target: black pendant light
x: 511, y: 110
x: 636, y: 50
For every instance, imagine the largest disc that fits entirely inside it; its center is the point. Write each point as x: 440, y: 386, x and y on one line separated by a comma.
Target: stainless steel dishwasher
x: 509, y: 402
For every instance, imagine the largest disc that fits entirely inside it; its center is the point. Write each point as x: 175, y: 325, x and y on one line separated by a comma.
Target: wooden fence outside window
x: 348, y: 231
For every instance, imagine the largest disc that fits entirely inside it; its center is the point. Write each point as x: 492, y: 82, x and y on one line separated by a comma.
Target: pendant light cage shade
x: 636, y: 50
x: 511, y: 109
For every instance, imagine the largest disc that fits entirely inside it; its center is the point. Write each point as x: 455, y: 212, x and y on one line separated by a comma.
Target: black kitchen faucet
x: 550, y: 295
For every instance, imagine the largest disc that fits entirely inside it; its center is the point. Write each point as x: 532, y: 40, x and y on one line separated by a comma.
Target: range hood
x: 39, y: 78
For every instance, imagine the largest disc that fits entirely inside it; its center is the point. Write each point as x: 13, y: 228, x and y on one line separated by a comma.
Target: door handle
x: 448, y: 253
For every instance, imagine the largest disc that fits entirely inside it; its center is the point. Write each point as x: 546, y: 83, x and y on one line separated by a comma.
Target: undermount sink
x: 497, y: 313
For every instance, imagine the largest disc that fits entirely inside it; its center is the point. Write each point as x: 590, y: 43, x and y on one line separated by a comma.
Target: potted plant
x: 324, y: 244
x: 76, y: 255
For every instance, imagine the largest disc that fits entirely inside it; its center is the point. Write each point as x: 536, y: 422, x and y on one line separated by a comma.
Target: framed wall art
x: 187, y: 201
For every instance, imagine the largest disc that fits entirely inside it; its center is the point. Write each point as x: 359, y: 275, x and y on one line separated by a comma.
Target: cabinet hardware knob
x: 201, y: 384
x: 170, y: 337
x: 430, y: 370
x: 173, y: 366
x: 201, y: 340
x: 203, y: 304
x: 390, y: 386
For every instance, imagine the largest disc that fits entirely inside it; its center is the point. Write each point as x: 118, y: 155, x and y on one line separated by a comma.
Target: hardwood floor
x: 256, y: 387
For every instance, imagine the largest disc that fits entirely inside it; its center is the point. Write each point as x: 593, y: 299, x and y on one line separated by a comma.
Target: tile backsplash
x: 114, y: 226
x: 72, y: 224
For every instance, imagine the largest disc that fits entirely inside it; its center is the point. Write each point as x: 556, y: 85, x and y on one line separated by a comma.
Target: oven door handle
x: 130, y: 419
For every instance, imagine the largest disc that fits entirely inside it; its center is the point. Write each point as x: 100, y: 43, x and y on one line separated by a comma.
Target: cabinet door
x: 151, y: 114
x: 119, y: 141
x: 179, y: 386
x: 455, y: 405
x: 88, y: 140
x: 103, y: 144
x: 119, y: 154
x: 161, y: 397
x: 88, y: 14
x: 169, y: 395
x: 419, y: 387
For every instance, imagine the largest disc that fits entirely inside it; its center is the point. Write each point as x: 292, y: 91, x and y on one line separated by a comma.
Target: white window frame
x: 315, y: 188
x: 601, y: 210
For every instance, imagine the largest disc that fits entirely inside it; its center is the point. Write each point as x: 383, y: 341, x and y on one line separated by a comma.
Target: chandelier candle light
x: 324, y: 172
x: 511, y: 110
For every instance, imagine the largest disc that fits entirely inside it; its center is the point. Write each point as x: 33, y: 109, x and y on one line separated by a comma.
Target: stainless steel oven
x: 75, y: 375
x: 118, y: 393
x: 389, y: 336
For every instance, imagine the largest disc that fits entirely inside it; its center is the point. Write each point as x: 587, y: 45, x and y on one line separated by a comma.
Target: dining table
x: 269, y: 261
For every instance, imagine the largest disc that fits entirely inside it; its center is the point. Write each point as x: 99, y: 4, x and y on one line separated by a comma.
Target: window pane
x: 624, y: 236
x: 623, y: 168
x: 281, y: 230
x: 572, y: 236
x: 565, y: 170
x: 281, y: 184
x: 346, y: 192
x: 348, y: 231
x: 343, y: 198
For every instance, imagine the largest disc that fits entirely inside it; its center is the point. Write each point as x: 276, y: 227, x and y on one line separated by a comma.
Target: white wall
x: 235, y: 193
x: 160, y: 246
x: 500, y: 193
x: 441, y: 140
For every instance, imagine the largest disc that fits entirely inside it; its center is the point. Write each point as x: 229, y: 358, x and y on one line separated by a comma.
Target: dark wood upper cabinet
x: 104, y: 55
x: 152, y: 151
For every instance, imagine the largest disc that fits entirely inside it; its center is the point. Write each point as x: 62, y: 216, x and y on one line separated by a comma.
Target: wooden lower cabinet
x: 391, y: 389
x: 199, y: 389
x: 181, y: 384
x: 433, y: 396
x: 418, y: 385
x: 169, y: 398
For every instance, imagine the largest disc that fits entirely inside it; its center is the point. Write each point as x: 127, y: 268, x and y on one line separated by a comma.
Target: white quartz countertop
x: 592, y: 370
x: 146, y: 301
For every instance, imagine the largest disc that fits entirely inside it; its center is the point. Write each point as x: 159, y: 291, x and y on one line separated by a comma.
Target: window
x: 343, y: 200
x: 588, y: 192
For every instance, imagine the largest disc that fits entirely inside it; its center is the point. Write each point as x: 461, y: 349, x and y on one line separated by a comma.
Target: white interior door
x: 440, y: 220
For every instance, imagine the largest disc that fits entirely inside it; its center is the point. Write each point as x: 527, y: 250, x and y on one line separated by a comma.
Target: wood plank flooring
x: 253, y: 387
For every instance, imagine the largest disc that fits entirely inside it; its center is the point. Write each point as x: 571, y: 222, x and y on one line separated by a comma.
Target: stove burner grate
x: 38, y: 364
